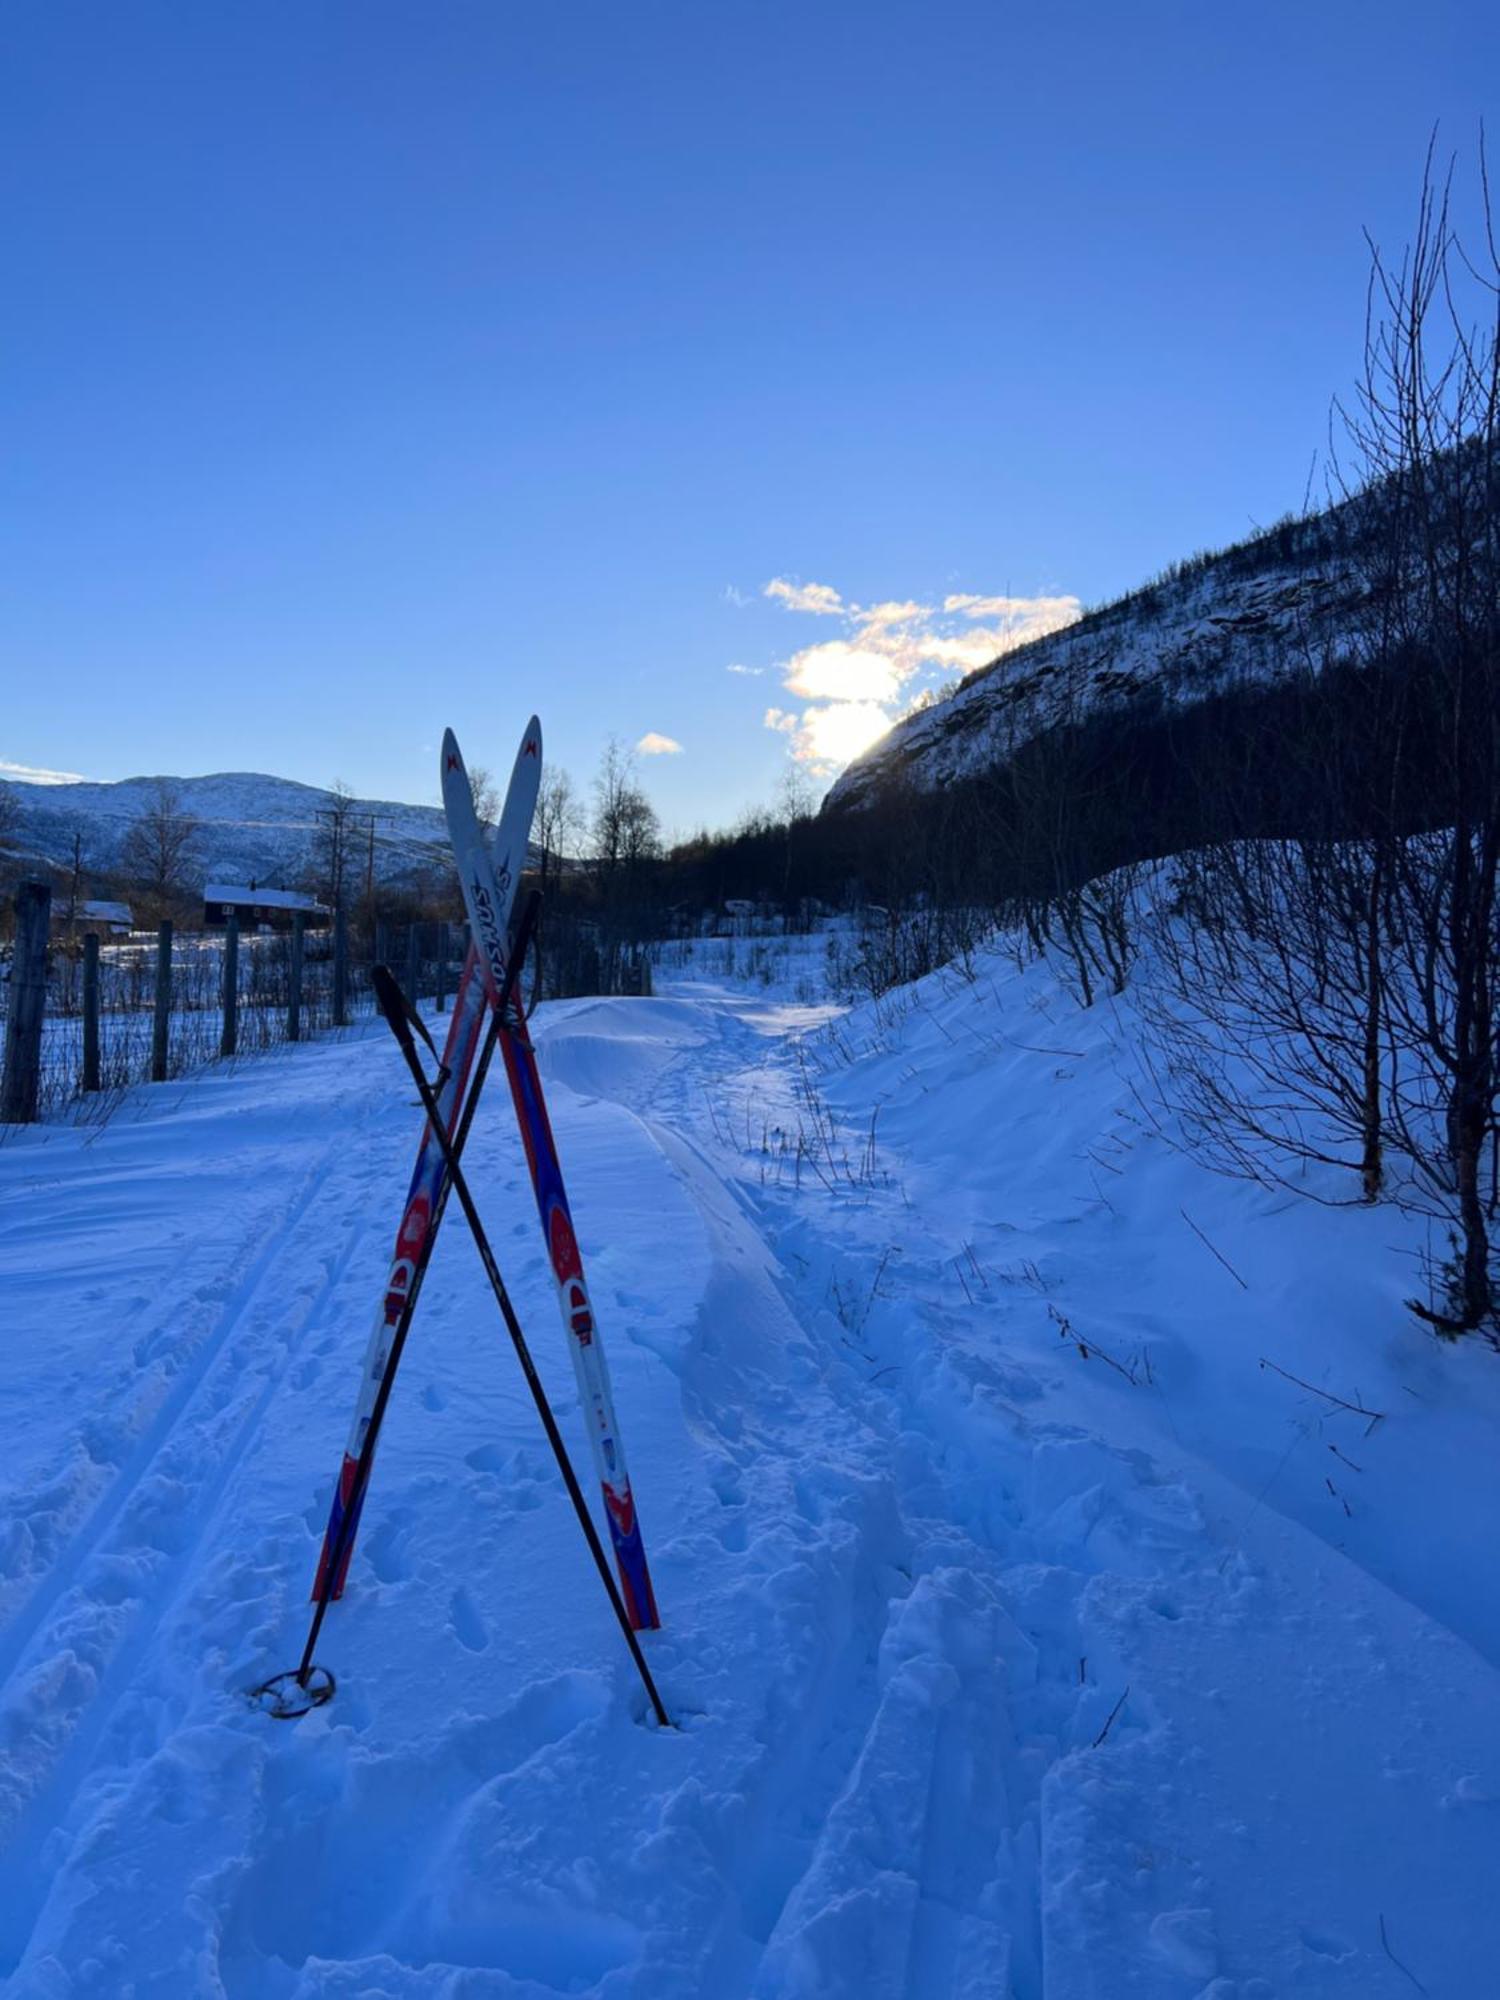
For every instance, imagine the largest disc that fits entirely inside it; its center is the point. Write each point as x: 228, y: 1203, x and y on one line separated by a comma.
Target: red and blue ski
x: 486, y: 888
x: 428, y: 1193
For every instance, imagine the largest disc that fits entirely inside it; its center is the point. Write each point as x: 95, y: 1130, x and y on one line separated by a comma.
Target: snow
x: 1242, y: 616
x: 997, y: 1670
x: 264, y: 899
x: 116, y: 914
x: 251, y: 825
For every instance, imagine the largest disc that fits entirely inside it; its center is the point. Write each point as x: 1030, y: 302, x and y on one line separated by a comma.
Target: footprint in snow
x: 468, y: 1627
x: 388, y: 1547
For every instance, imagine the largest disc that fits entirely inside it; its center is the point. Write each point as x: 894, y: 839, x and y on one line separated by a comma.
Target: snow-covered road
x: 999, y: 1671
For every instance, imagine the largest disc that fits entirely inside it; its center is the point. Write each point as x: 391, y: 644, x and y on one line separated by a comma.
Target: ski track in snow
x: 996, y: 1675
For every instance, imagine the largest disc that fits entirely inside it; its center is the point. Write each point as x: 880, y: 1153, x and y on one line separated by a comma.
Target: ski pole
x: 301, y: 1676
x: 399, y: 1017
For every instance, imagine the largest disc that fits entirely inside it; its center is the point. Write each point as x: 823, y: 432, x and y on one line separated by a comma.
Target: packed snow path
x: 999, y: 1671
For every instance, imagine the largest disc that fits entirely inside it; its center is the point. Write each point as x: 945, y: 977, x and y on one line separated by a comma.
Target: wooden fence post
x: 443, y: 941
x: 91, y: 1010
x: 230, y: 1039
x: 294, y: 981
x: 340, y: 968
x: 413, y: 962
x: 20, y: 1081
x: 162, y: 1019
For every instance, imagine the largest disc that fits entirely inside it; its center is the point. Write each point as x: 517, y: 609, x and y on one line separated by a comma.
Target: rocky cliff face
x: 1251, y: 613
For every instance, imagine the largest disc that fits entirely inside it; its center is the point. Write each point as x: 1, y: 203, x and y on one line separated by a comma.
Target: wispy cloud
x: 654, y: 744
x: 739, y: 668
x: 32, y: 774
x: 738, y: 598
x: 859, y: 685
x: 1017, y: 611
x: 818, y: 598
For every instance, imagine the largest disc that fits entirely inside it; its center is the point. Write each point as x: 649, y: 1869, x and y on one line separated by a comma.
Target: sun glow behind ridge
x: 857, y: 686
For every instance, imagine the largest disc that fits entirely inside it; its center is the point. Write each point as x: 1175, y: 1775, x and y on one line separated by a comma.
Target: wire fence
x: 273, y: 1000
x: 154, y: 1005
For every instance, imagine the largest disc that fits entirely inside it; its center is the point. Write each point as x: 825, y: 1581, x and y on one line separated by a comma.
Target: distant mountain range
x: 251, y: 827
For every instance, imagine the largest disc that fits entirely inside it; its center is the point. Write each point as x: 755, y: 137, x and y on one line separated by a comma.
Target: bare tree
x: 796, y: 801
x: 1334, y: 995
x: 1262, y: 1013
x: 640, y: 829
x: 626, y: 836
x: 331, y: 857
x: 161, y: 845
x: 1426, y: 432
x: 615, y: 791
x: 796, y: 795
x: 486, y: 795
x: 557, y: 823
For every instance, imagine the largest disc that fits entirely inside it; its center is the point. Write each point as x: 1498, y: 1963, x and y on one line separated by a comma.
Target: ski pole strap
x: 401, y: 1017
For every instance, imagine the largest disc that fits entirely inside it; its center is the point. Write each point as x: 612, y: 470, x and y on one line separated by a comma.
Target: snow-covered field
x: 1025, y: 1635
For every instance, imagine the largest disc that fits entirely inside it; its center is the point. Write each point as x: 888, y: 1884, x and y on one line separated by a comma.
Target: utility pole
x: 77, y: 885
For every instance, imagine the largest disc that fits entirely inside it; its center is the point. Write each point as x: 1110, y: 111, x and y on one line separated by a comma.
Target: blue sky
x: 370, y: 367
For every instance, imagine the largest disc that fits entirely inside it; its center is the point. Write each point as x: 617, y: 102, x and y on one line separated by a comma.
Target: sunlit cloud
x: 840, y: 733
x: 839, y: 671
x: 828, y: 737
x: 654, y: 744
x: 818, y: 598
x: 894, y: 612
x: 857, y: 686
x: 33, y: 774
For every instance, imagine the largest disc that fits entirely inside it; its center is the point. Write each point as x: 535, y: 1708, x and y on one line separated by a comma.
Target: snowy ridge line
x: 116, y: 1647
x: 1238, y: 617
x: 252, y: 823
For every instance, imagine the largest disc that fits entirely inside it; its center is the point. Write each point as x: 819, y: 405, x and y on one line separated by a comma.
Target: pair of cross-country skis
x: 486, y: 1011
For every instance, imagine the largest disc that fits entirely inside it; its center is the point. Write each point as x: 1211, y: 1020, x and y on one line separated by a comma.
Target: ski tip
x: 452, y: 759
x: 531, y: 740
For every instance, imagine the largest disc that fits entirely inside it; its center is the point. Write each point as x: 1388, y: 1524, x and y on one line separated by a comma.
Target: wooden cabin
x: 259, y: 908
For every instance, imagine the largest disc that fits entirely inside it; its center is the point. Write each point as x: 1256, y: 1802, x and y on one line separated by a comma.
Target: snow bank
x: 1025, y: 1635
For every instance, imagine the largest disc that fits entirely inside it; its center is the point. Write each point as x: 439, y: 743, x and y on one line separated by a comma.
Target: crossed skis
x: 484, y: 1013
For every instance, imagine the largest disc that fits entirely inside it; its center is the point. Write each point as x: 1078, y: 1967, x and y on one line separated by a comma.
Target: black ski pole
x: 400, y: 1017
x: 283, y: 1704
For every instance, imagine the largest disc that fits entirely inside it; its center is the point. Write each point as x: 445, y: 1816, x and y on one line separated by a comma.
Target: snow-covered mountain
x: 1249, y: 613
x: 251, y: 825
